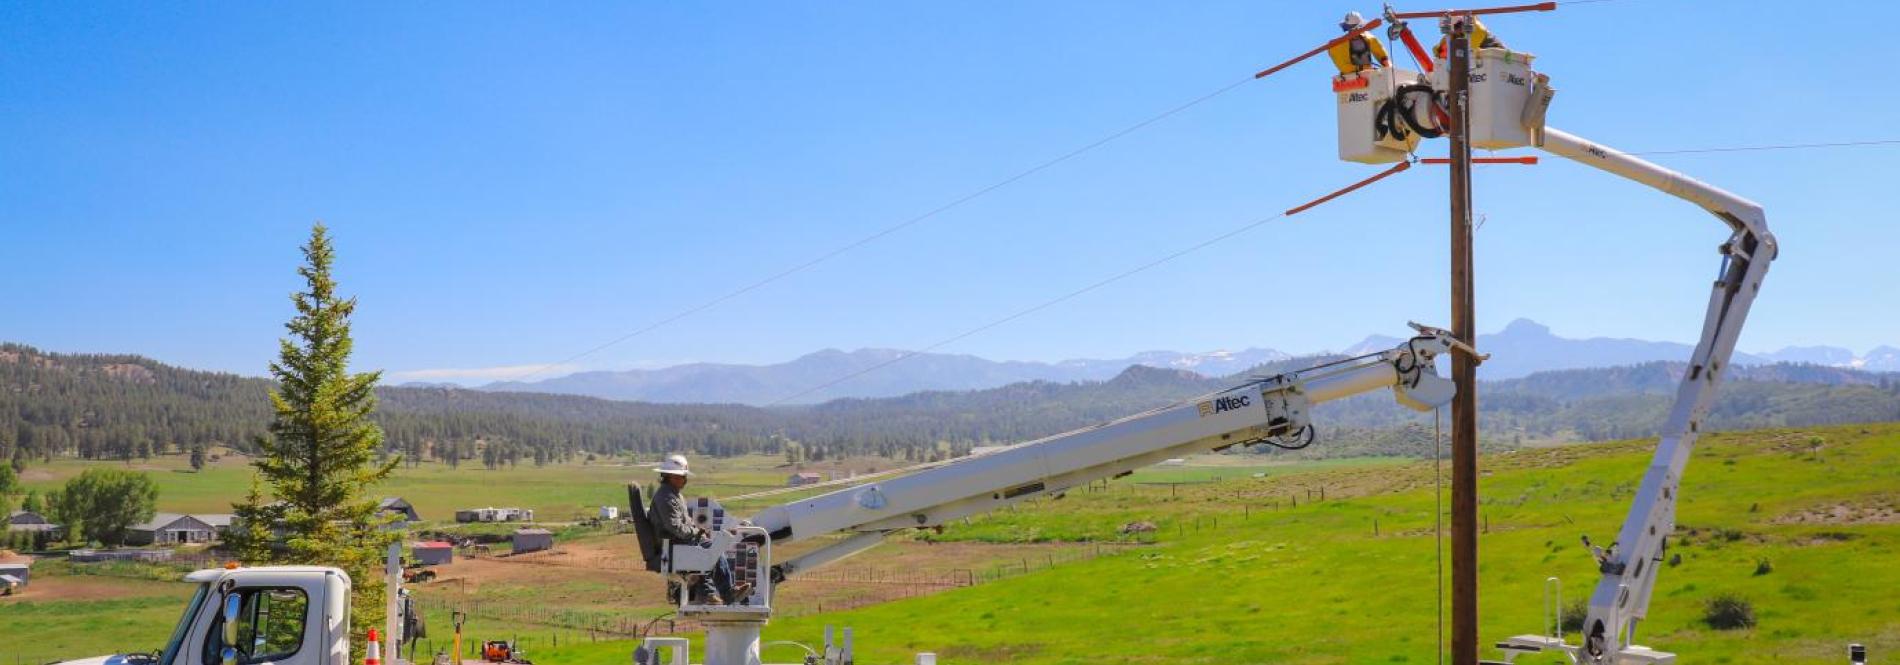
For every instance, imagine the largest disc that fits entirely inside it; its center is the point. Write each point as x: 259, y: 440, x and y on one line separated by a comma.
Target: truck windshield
x: 177, y: 641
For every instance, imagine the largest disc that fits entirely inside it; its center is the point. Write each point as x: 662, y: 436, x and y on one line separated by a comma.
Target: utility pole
x: 1464, y: 365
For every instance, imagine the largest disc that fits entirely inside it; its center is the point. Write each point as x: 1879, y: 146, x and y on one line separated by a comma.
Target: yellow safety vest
x: 1343, y: 56
x: 1480, y: 38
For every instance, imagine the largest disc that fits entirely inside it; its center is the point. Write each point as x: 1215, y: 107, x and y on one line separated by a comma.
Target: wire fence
x: 850, y: 587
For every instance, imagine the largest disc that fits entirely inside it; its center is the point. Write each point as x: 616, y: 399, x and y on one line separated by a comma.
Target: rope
x: 1438, y: 523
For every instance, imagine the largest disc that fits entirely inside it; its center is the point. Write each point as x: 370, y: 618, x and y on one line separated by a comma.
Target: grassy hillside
x: 1313, y: 584
x: 1240, y: 574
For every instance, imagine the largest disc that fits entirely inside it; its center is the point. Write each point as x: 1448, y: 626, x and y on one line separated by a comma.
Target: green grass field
x: 1240, y: 574
x: 558, y: 492
x: 1313, y: 584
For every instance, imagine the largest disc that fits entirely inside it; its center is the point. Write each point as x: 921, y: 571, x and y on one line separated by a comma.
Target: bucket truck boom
x: 1382, y: 115
x: 1629, y: 565
x: 1272, y: 410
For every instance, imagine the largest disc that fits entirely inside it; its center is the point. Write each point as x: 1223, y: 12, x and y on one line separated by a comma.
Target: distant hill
x: 1522, y: 348
x: 795, y: 381
x: 121, y: 406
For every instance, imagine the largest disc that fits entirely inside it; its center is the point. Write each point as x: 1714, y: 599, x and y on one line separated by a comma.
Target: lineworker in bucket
x: 1480, y: 37
x: 1362, y: 52
x: 670, y: 521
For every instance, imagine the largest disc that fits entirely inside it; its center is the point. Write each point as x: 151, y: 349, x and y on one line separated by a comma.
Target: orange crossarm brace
x: 1512, y: 9
x: 1355, y: 32
x: 1417, y: 49
x: 1526, y: 160
x: 1401, y: 166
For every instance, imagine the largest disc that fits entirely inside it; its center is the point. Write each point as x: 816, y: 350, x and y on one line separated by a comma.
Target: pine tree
x: 197, y: 457
x: 249, y: 537
x: 6, y: 491
x: 319, y: 458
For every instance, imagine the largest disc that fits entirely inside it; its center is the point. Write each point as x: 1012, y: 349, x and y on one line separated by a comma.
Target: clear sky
x: 511, y: 184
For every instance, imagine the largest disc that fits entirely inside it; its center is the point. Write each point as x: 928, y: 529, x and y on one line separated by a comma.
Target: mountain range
x: 1520, y: 349
x: 98, y: 406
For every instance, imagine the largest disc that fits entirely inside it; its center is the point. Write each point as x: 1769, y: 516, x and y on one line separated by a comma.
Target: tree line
x: 118, y: 407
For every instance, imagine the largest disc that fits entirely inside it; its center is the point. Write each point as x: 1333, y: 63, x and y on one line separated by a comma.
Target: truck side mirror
x: 232, y: 602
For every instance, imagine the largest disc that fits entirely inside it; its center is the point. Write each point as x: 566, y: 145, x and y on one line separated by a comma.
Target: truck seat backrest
x: 642, y: 529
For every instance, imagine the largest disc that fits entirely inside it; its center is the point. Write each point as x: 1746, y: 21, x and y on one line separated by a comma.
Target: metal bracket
x: 1456, y: 344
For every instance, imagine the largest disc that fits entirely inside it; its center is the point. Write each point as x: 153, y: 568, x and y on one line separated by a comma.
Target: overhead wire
x: 1071, y: 295
x: 1784, y: 146
x: 1202, y: 245
x: 888, y: 230
x: 749, y: 287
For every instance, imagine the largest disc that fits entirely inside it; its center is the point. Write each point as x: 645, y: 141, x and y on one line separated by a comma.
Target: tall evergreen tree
x: 319, y: 459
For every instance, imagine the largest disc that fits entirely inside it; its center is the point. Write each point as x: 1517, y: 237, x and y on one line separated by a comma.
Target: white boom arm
x: 1630, y: 565
x: 1267, y: 409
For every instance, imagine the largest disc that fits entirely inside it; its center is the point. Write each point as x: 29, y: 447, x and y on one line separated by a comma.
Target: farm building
x: 432, y: 553
x: 176, y: 529
x: 610, y: 512
x: 22, y: 520
x: 220, y: 522
x: 803, y: 478
x: 399, y: 507
x: 494, y: 515
x: 533, y: 540
x: 13, y: 576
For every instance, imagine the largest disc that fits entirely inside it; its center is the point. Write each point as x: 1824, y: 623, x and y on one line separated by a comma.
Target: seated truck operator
x: 670, y: 521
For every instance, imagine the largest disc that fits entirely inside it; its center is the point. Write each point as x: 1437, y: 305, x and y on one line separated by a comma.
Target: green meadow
x: 557, y: 492
x: 1254, y: 567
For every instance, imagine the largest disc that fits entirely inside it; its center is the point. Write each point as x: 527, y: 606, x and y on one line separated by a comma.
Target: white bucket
x: 1358, y: 97
x: 1501, y: 81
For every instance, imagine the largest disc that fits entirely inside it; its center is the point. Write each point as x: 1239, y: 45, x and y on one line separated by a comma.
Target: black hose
x: 1396, y: 115
x: 1311, y: 435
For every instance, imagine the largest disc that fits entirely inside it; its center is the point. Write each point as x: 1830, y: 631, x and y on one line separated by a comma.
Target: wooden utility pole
x: 1464, y: 367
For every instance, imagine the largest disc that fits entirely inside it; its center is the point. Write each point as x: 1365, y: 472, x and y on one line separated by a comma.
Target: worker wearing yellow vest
x: 1480, y: 37
x: 1362, y: 52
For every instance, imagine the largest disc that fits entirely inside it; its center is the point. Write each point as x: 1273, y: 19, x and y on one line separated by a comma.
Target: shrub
x: 1675, y: 559
x: 1572, y: 619
x: 1728, y: 612
x: 1763, y: 566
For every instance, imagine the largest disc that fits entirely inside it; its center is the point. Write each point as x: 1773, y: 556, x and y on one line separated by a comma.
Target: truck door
x: 277, y: 625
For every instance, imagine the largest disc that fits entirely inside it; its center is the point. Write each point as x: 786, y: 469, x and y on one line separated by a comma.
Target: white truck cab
x: 278, y: 615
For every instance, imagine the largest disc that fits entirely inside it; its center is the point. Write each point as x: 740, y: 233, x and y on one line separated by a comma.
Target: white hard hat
x: 1352, y: 20
x: 675, y: 465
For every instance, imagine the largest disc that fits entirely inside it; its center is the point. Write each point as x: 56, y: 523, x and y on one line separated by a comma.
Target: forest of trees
x: 125, y: 407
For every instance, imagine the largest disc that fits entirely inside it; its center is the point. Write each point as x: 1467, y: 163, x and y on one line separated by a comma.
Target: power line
x: 1204, y: 244
x: 1785, y: 146
x: 1034, y: 308
x: 954, y: 203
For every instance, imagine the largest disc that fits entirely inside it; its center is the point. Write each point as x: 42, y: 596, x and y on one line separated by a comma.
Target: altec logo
x: 1357, y: 97
x: 1224, y: 404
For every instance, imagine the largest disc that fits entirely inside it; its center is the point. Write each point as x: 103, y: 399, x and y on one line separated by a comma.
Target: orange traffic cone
x: 373, y: 654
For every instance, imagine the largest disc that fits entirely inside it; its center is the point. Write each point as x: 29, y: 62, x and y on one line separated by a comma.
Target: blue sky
x: 512, y: 184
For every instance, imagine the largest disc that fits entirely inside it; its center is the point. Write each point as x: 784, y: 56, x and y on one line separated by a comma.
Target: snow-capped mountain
x: 1523, y: 347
